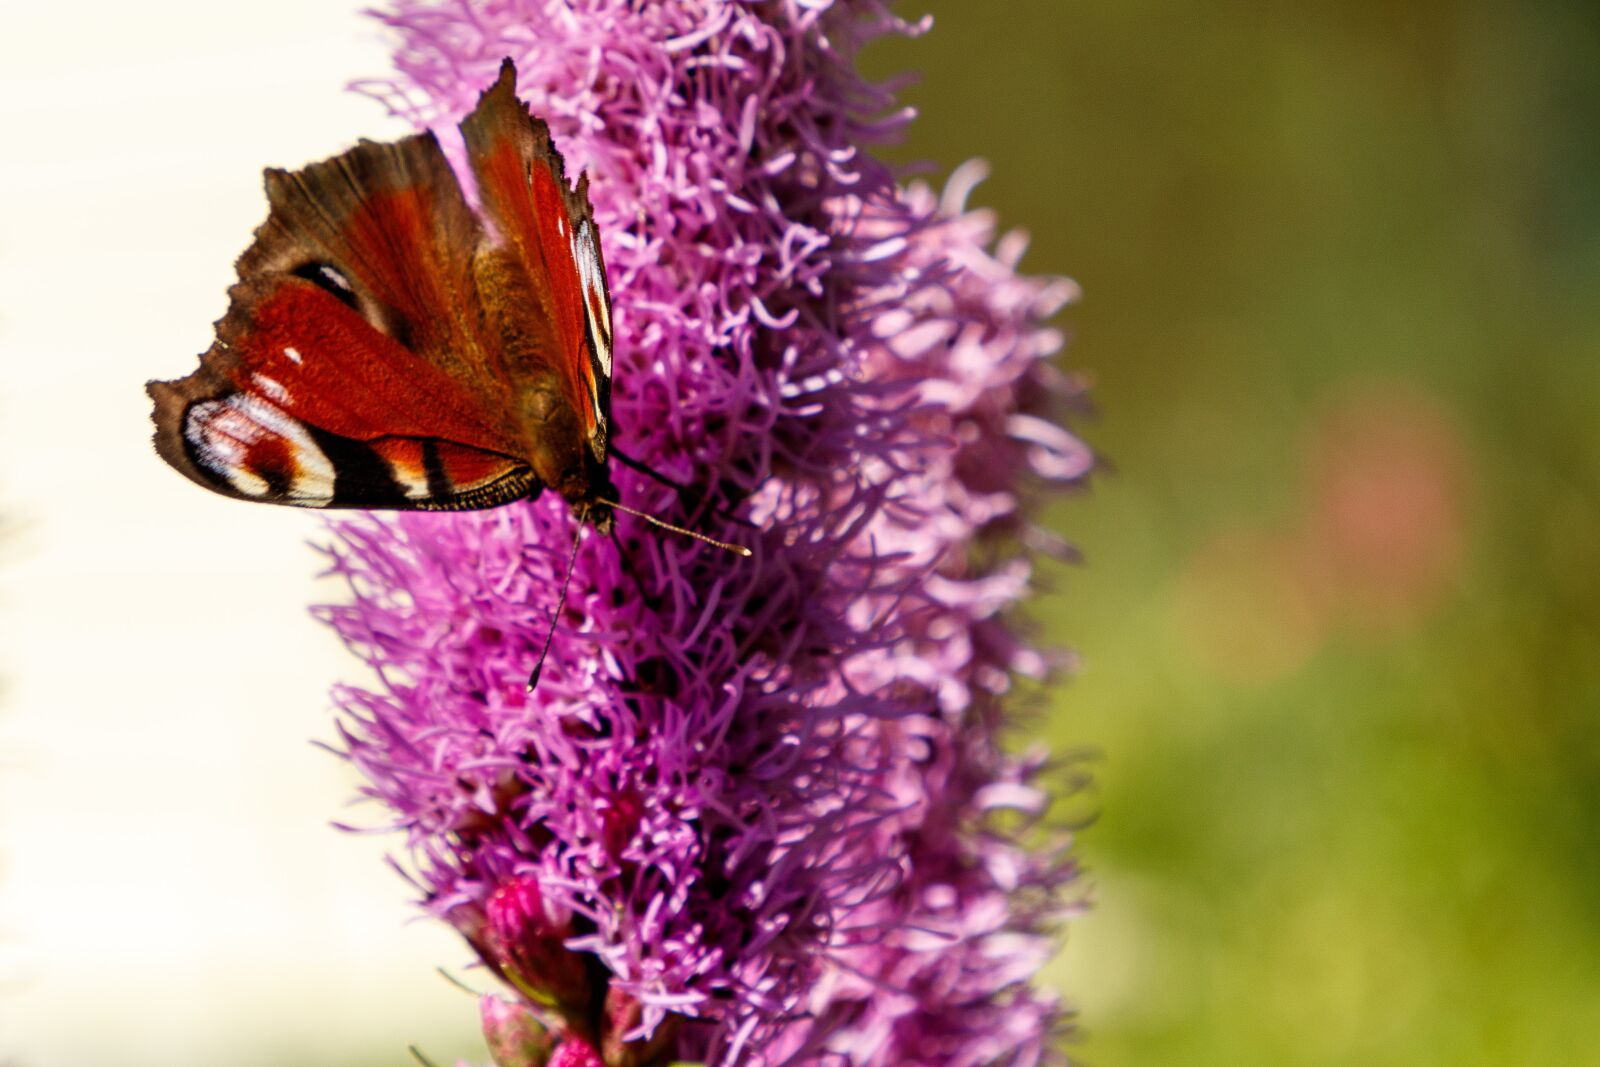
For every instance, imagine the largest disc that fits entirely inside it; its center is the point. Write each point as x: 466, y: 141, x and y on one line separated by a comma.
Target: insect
x: 387, y: 346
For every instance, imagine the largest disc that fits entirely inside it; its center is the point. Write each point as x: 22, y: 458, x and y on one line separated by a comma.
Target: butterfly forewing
x: 547, y: 229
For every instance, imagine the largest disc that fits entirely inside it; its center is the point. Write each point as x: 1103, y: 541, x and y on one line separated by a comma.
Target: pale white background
x: 170, y: 890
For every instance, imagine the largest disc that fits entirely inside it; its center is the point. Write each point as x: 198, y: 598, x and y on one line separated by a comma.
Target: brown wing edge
x: 172, y: 401
x: 500, y: 110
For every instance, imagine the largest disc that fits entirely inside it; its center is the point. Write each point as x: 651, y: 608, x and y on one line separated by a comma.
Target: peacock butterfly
x: 387, y: 346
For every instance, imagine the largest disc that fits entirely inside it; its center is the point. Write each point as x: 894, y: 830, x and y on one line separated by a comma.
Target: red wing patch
x: 325, y: 364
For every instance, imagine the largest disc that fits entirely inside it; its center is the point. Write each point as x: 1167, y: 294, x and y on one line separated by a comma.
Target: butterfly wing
x: 351, y: 369
x: 546, y: 232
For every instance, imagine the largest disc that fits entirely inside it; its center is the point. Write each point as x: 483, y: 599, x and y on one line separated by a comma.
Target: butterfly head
x: 601, y: 517
x: 586, y: 486
x: 597, y: 497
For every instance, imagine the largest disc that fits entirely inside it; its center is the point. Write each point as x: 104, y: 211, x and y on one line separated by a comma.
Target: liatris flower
x: 757, y: 811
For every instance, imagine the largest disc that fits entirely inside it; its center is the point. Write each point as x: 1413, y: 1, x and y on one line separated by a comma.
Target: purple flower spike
x: 763, y: 802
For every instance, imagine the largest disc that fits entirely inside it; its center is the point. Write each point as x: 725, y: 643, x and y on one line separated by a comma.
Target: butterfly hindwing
x: 349, y: 370
x: 244, y: 443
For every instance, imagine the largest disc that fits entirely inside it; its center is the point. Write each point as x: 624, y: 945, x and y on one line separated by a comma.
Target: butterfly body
x: 388, y: 346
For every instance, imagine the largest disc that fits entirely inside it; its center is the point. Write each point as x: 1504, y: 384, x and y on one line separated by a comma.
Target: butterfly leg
x: 696, y: 498
x: 627, y: 565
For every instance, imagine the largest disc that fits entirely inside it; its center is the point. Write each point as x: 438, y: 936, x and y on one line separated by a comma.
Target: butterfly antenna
x: 420, y: 1058
x: 738, y: 550
x: 672, y: 483
x: 561, y: 600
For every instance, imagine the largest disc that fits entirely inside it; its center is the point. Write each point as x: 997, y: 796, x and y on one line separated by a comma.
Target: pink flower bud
x: 576, y: 1052
x: 514, y: 1036
x: 622, y: 1014
x: 525, y: 938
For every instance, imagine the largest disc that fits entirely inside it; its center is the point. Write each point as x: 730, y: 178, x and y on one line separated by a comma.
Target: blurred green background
x: 1340, y: 608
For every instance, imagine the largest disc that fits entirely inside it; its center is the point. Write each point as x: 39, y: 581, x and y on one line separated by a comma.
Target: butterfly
x: 389, y: 346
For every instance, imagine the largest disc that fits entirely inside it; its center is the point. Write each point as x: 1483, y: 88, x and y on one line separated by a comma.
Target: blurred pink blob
x: 1384, y: 528
x: 1244, y: 606
x: 1377, y: 543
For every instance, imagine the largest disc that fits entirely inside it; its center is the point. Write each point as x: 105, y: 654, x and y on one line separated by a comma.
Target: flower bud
x: 575, y: 1052
x: 622, y: 1013
x: 514, y: 1036
x: 524, y: 937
